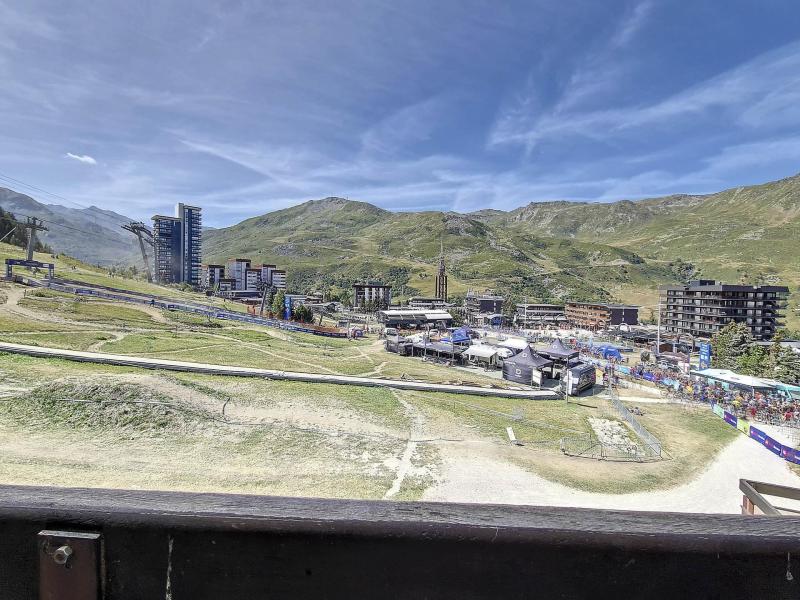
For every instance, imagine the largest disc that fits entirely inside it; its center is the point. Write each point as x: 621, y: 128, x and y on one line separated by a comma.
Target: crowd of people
x: 776, y: 407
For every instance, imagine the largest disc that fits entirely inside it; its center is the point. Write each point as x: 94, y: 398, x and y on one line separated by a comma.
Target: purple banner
x: 791, y: 455
x: 757, y: 434
x: 729, y: 418
x: 773, y: 445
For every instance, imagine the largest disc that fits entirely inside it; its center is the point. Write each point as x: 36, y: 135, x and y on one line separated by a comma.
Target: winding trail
x: 418, y: 422
x: 487, y: 476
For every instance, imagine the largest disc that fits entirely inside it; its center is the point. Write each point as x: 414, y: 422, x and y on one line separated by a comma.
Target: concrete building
x: 375, y: 293
x: 177, y: 245
x: 703, y: 307
x: 278, y: 279
x: 167, y: 249
x: 488, y: 302
x: 412, y: 318
x: 598, y: 315
x: 266, y: 274
x: 191, y: 219
x: 426, y: 302
x: 530, y: 316
x: 252, y: 279
x: 211, y: 274
x: 237, y: 269
x: 226, y: 284
x: 482, y: 309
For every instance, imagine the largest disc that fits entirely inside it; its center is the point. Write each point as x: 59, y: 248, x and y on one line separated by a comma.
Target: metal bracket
x: 69, y: 565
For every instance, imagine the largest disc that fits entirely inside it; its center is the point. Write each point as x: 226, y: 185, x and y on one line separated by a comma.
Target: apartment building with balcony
x: 374, y: 293
x: 702, y: 307
x: 596, y: 316
x: 530, y: 316
x: 177, y: 245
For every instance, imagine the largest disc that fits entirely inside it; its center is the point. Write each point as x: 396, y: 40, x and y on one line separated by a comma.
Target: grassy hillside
x: 749, y: 234
x: 546, y: 251
x: 327, y: 245
x: 90, y: 234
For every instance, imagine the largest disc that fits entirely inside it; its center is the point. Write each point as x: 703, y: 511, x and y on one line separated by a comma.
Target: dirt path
x: 261, y: 350
x: 487, y: 476
x: 118, y: 336
x: 418, y: 422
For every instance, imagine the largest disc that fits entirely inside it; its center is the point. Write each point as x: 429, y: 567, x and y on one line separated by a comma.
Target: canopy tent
x: 520, y: 368
x: 513, y: 343
x: 788, y: 389
x: 438, y: 348
x: 481, y: 351
x: 458, y: 336
x: 609, y: 352
x: 731, y: 379
x: 558, y: 351
x: 504, y: 353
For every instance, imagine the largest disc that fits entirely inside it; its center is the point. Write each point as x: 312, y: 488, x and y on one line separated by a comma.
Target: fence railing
x: 651, y: 444
x: 126, y: 545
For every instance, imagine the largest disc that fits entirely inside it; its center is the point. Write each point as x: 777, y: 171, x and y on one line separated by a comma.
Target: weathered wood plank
x: 237, y: 547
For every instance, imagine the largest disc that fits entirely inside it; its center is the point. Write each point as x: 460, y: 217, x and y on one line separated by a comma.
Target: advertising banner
x: 718, y: 411
x: 624, y: 370
x: 743, y: 426
x: 705, y: 356
x: 791, y: 455
x: 773, y: 445
x: 287, y: 308
x: 729, y: 418
x: 757, y: 434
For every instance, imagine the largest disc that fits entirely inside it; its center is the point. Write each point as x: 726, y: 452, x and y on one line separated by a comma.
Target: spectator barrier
x: 786, y: 452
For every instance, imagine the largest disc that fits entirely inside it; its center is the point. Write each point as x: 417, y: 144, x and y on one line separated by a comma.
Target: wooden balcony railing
x: 83, y: 544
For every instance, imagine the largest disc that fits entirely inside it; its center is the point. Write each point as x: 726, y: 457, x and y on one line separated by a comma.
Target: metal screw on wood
x: 62, y: 555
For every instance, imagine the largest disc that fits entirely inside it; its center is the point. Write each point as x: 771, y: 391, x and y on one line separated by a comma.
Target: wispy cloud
x: 742, y: 94
x: 410, y: 124
x: 84, y: 158
x: 632, y: 23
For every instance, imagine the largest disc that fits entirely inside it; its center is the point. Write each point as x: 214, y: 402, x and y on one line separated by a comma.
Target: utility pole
x: 145, y: 236
x: 33, y: 225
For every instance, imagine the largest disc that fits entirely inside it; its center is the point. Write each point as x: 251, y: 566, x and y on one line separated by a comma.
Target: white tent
x: 482, y: 353
x: 513, y: 343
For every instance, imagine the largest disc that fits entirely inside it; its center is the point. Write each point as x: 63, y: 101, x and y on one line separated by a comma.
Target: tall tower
x: 177, y: 245
x: 441, y: 277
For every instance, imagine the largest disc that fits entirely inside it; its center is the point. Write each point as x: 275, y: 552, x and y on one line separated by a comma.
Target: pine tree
x: 277, y: 303
x: 729, y: 344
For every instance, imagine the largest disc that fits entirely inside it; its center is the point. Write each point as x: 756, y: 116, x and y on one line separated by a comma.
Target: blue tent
x: 608, y: 352
x: 458, y: 336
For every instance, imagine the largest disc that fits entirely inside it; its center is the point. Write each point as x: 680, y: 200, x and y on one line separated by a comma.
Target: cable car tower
x: 145, y: 236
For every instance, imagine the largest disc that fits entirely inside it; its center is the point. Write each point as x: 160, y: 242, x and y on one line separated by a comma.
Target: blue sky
x: 248, y: 106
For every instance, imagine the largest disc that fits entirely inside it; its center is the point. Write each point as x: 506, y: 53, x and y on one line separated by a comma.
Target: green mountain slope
x: 92, y: 235
x: 744, y: 234
x: 329, y: 244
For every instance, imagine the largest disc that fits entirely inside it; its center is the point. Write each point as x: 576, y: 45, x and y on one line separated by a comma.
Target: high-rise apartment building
x: 167, y: 248
x: 177, y: 244
x: 191, y: 242
x: 703, y: 307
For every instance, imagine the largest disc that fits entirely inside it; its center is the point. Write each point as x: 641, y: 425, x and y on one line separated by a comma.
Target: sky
x: 248, y: 106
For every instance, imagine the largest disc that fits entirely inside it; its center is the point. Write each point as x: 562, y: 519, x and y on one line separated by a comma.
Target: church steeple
x: 441, y: 276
